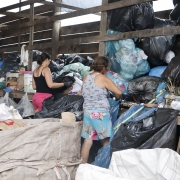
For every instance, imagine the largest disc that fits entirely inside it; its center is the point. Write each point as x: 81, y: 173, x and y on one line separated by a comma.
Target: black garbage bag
x: 157, y: 47
x: 173, y: 71
x: 66, y: 103
x: 161, y: 132
x: 60, y: 61
x: 176, y: 47
x: 175, y: 13
x: 144, y: 89
x: 74, y: 58
x: 10, y: 58
x: 54, y: 75
x: 62, y: 79
x: 176, y: 2
x: 35, y: 54
x: 74, y: 74
x: 54, y: 67
x: 131, y: 18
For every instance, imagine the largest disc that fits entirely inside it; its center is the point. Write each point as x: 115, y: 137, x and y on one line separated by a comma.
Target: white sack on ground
x: 45, y: 145
x: 148, y: 164
x: 91, y: 172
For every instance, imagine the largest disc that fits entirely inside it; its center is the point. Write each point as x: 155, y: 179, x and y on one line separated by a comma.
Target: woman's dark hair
x: 99, y: 63
x: 42, y: 57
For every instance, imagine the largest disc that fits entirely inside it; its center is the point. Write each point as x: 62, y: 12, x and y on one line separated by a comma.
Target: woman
x: 42, y: 81
x: 97, y: 121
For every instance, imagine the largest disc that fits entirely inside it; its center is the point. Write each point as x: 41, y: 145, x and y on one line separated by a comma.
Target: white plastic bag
x: 25, y: 107
x: 8, y: 101
x: 24, y: 56
x: 8, y: 113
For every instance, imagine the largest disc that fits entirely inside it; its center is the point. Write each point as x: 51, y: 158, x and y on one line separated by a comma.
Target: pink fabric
x: 38, y: 99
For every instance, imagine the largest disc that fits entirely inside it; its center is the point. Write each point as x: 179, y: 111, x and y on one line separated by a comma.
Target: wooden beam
x: 19, y: 33
x: 163, y: 14
x: 17, y: 5
x: 123, y: 3
x: 31, y: 37
x: 128, y: 35
x: 37, y: 10
x: 80, y: 28
x: 23, y: 15
x: 103, y: 28
x: 79, y: 48
x: 3, y: 25
x: 56, y: 4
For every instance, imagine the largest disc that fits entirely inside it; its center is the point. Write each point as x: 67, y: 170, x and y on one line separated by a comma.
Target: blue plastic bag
x: 126, y: 60
x: 114, y: 109
x: 157, y: 71
x: 118, y: 81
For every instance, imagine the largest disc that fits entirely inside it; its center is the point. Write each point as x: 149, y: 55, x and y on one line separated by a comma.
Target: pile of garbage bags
x: 65, y: 103
x: 157, y: 47
x: 11, y: 62
x: 127, y: 60
x: 131, y: 18
x: 146, y: 125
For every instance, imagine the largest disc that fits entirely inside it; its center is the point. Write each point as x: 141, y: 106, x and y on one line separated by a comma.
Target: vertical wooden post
x: 56, y: 29
x: 31, y: 36
x: 103, y: 28
x: 19, y: 33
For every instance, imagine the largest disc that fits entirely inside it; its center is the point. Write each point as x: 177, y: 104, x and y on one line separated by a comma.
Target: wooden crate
x: 20, y: 82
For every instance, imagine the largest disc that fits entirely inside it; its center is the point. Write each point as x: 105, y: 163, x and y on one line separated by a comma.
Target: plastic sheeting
x: 160, y: 133
x: 146, y: 164
x: 157, y: 47
x: 126, y: 60
x: 144, y: 89
x: 131, y: 18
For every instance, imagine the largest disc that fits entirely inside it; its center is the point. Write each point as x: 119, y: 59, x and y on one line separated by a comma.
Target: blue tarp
x: 103, y: 157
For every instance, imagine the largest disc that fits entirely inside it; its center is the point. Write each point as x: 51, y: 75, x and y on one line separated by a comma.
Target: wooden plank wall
x: 43, y: 34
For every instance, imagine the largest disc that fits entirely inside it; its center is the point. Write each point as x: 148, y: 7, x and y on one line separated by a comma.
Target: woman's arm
x: 33, y: 83
x: 112, y: 87
x: 48, y: 76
